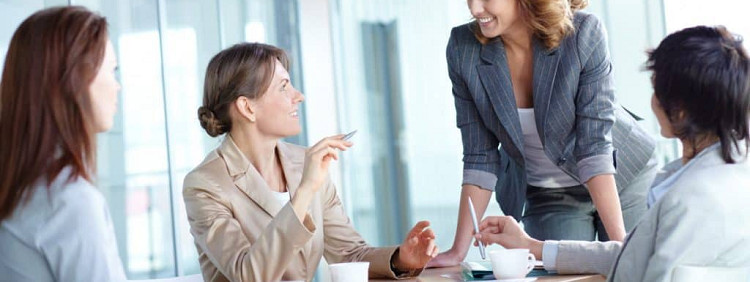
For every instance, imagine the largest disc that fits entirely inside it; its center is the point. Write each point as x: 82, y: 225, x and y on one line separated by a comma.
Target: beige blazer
x: 243, y: 233
x: 701, y: 221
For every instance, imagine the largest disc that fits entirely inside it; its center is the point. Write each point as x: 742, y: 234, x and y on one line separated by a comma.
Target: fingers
x: 488, y: 221
x: 482, y: 237
x: 418, y: 229
x: 427, y: 234
x: 485, y: 238
x: 496, y: 221
x: 430, y: 248
x: 422, y: 225
x: 332, y: 141
x: 422, y: 238
x: 491, y: 229
x: 324, y: 154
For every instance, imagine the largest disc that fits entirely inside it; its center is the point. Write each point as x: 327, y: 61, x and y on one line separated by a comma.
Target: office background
x: 377, y: 66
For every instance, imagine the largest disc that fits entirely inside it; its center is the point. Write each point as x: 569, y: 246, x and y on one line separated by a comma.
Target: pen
x: 348, y: 135
x: 476, y: 227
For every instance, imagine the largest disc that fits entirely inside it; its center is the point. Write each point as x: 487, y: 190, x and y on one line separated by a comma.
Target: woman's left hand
x: 418, y: 248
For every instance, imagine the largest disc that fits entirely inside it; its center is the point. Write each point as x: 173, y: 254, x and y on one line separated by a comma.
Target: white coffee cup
x: 349, y: 271
x: 511, y: 263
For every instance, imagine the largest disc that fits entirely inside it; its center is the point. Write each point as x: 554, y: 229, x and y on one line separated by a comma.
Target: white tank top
x: 281, y: 197
x: 540, y: 171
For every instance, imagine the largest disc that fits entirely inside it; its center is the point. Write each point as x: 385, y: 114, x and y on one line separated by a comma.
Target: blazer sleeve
x: 344, y: 244
x: 480, y: 146
x: 221, y: 238
x: 577, y: 257
x: 595, y: 102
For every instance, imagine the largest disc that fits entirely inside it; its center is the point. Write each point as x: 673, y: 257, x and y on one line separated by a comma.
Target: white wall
x: 730, y: 13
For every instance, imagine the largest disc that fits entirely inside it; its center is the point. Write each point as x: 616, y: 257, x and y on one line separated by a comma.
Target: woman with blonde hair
x: 534, y: 96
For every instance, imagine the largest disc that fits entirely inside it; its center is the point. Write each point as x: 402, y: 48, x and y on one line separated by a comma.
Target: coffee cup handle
x: 532, y: 260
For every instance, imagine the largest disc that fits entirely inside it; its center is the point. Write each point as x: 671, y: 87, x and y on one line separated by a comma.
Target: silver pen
x: 476, y: 227
x: 348, y: 135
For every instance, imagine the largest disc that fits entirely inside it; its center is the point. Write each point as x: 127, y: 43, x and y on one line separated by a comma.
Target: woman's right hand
x: 318, y: 158
x: 505, y: 231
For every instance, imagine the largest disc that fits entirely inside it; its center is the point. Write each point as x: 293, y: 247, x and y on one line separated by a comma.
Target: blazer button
x: 561, y: 161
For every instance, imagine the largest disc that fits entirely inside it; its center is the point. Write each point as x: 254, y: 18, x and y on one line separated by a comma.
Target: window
x: 163, y: 48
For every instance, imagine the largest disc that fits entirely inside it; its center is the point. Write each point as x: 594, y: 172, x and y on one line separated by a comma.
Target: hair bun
x: 209, y: 122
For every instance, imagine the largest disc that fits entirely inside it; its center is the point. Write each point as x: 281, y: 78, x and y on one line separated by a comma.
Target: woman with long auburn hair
x: 57, y: 91
x: 534, y: 96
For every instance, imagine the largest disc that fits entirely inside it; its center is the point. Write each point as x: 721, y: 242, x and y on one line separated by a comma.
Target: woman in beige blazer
x: 698, y: 207
x: 264, y: 210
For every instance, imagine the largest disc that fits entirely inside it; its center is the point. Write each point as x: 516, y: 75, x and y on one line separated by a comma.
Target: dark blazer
x: 583, y: 129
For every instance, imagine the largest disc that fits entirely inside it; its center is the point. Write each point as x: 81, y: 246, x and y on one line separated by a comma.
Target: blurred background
x: 377, y: 66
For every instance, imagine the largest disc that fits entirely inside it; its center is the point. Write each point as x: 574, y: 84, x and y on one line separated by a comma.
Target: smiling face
x: 496, y: 17
x: 276, y: 110
x: 103, y: 91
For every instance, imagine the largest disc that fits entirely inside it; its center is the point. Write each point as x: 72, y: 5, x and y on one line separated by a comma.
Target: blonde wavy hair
x: 549, y: 20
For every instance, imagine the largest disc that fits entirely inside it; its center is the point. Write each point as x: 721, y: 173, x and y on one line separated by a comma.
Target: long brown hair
x: 549, y: 20
x: 245, y: 69
x: 45, y: 107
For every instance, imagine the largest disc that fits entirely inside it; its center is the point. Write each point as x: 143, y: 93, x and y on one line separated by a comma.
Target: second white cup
x: 511, y: 263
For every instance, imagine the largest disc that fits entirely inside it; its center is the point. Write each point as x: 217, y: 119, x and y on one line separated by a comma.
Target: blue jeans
x: 569, y: 214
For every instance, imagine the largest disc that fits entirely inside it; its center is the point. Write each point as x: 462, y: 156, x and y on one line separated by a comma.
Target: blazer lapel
x: 495, y: 77
x: 293, y: 165
x: 545, y: 71
x: 247, y: 179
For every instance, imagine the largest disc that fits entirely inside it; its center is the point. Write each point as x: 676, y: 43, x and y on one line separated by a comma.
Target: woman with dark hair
x: 261, y: 209
x: 534, y: 93
x: 699, y: 204
x: 58, y: 90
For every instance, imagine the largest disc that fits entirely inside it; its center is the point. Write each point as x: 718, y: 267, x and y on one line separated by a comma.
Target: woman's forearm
x: 464, y: 229
x: 603, y: 190
x: 301, y: 201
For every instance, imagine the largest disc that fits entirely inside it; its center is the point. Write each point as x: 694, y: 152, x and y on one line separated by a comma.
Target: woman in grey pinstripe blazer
x: 699, y: 215
x: 534, y: 96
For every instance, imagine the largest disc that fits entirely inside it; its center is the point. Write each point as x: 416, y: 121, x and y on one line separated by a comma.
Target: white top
x: 63, y: 233
x: 540, y: 171
x: 282, y: 197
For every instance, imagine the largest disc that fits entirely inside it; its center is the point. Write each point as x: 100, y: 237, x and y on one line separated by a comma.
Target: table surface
x: 454, y: 274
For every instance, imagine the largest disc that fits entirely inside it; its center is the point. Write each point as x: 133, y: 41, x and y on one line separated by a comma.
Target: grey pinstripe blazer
x: 582, y: 128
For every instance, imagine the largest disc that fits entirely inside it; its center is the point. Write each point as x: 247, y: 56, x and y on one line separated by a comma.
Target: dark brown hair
x: 45, y: 108
x: 549, y: 20
x: 245, y: 69
x: 701, y: 78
